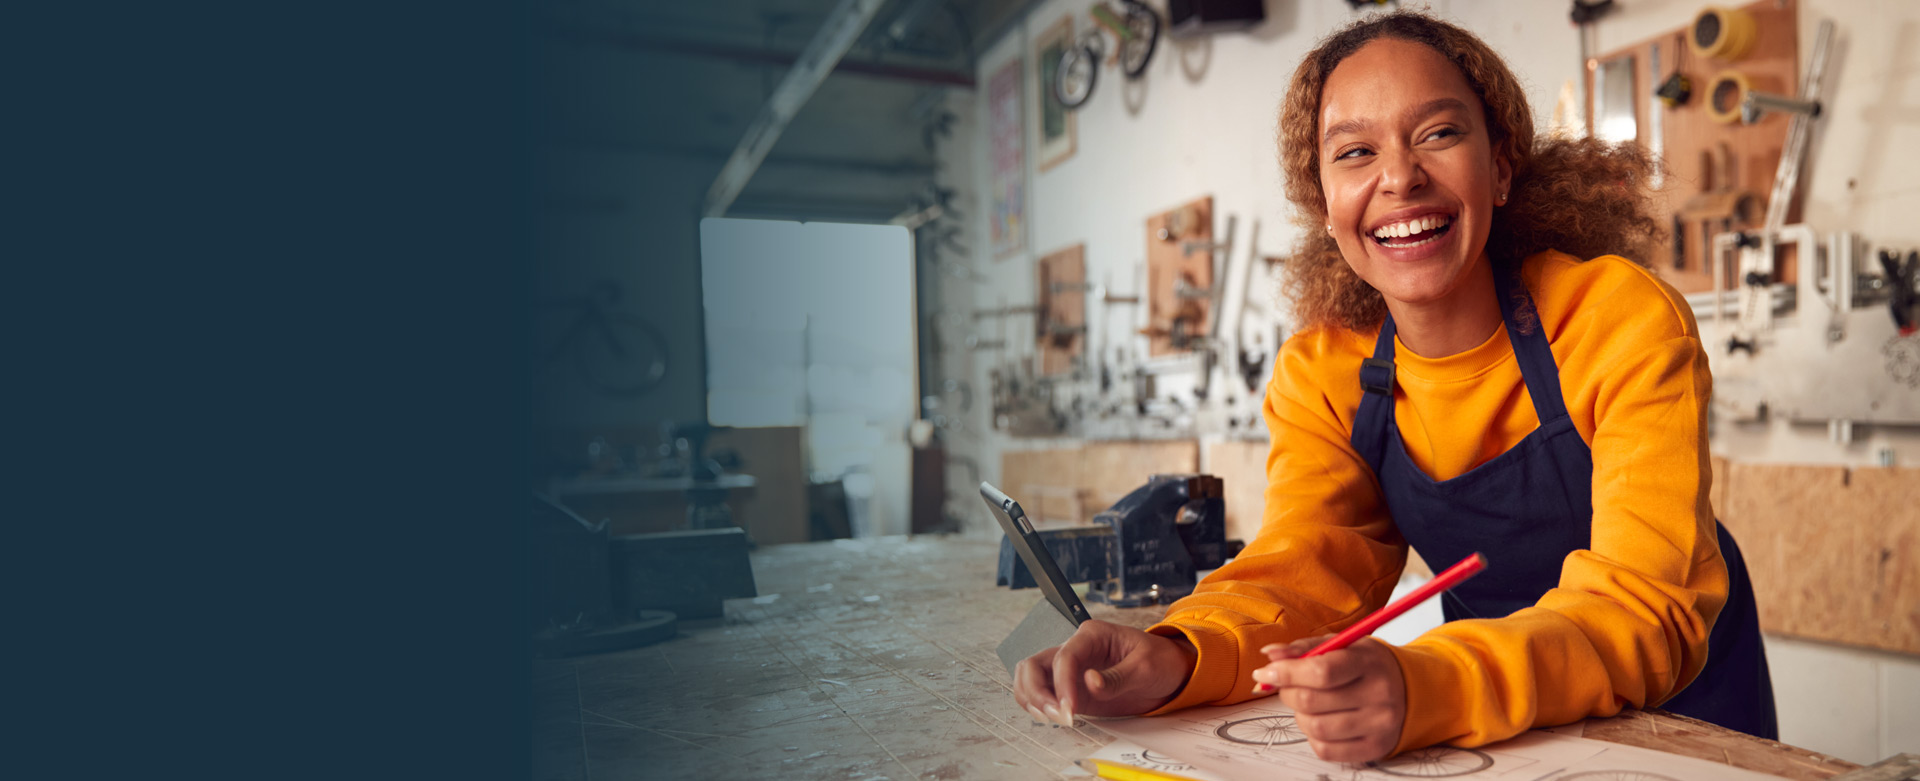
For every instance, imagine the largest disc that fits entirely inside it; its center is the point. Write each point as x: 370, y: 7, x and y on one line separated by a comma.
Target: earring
x: 1503, y: 199
x: 1329, y: 227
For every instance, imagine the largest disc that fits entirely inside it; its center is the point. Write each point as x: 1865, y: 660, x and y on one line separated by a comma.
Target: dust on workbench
x: 860, y: 660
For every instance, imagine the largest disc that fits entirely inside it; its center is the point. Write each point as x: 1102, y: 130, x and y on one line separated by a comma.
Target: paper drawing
x: 1261, y: 740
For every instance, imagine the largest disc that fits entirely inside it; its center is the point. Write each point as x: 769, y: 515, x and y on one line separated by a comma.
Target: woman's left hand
x: 1351, y: 703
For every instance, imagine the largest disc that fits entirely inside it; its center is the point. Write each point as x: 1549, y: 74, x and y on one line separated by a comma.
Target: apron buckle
x: 1376, y: 376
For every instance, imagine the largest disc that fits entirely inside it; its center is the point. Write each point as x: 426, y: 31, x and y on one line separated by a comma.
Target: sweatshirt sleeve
x: 1627, y: 624
x: 1326, y: 555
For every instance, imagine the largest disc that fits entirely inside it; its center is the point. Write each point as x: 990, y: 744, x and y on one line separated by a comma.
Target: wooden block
x: 1833, y: 552
x: 1170, y: 268
x: 1060, y: 323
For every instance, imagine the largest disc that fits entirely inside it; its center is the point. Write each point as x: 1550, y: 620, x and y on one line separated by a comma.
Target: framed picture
x: 1056, y: 122
x: 1007, y: 133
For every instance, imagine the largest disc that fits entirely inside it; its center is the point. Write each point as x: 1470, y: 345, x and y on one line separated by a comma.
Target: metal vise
x: 1147, y: 549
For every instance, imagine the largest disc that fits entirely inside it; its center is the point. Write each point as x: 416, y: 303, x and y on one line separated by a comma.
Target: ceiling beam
x: 746, y: 54
x: 903, y: 168
x: 816, y: 61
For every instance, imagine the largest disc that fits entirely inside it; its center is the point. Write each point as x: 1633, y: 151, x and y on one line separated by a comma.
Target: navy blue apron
x: 1529, y: 507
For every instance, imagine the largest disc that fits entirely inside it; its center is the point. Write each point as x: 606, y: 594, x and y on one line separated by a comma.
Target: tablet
x: 1027, y: 543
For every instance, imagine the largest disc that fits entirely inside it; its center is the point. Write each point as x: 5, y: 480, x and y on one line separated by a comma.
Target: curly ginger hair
x: 1580, y: 196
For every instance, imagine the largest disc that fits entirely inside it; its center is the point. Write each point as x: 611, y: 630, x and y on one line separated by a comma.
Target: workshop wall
x: 1201, y: 122
x: 628, y: 219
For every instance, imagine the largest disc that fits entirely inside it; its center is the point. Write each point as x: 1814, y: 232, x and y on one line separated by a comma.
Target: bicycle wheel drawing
x: 1616, y: 775
x: 1436, y: 762
x: 1262, y: 731
x: 1151, y: 761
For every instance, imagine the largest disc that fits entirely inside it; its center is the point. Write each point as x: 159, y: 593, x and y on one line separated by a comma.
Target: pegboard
x: 1710, y: 169
x: 1060, y: 320
x: 1179, y: 277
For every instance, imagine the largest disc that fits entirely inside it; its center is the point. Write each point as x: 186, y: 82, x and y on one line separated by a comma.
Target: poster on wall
x: 1007, y: 133
x: 1056, y: 122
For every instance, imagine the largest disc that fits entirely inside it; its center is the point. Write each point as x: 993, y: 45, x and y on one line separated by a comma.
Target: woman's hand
x: 1105, y: 669
x: 1350, y: 703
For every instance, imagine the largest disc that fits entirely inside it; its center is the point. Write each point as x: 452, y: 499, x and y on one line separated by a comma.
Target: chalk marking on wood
x: 664, y: 735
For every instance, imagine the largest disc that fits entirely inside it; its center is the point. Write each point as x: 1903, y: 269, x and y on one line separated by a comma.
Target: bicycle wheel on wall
x: 624, y: 356
x: 1135, y: 53
x: 1073, y: 80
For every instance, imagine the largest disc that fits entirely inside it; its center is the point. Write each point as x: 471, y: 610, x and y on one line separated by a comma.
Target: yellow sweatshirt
x: 1628, y: 622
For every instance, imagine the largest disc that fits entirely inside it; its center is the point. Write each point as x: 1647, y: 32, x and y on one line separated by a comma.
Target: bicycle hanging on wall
x: 1137, y: 28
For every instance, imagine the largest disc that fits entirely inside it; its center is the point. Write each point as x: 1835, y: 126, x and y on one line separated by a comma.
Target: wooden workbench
x: 874, y: 659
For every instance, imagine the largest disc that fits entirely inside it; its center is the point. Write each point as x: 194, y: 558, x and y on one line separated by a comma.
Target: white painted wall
x: 1203, y: 120
x: 811, y: 324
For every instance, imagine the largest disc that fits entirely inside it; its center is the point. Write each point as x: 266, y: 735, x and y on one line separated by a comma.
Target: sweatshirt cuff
x: 1434, y: 687
x: 1213, y: 673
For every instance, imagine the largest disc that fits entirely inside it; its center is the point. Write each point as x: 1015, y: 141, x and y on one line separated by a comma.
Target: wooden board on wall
x: 1242, y: 469
x: 1071, y: 485
x: 1693, y: 142
x: 1060, y: 324
x: 1171, y: 267
x: 1834, y: 552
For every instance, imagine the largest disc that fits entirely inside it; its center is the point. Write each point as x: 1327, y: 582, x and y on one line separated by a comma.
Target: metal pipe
x: 1758, y: 103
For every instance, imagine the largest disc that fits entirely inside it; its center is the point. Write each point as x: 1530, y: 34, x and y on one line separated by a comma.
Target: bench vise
x: 1147, y: 549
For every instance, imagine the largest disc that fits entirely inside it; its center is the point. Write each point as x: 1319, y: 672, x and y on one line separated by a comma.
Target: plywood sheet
x: 1179, y: 271
x: 1060, y: 322
x: 1242, y: 467
x: 1694, y: 144
x: 1071, y: 485
x: 775, y: 511
x: 1834, y: 552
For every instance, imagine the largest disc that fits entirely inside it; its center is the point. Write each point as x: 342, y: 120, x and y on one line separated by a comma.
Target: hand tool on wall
x: 1900, y: 281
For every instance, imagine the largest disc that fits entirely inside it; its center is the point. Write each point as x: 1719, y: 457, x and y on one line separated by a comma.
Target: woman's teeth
x: 1404, y: 229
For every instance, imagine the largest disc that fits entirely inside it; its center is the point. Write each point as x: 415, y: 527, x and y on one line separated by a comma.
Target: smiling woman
x: 1474, y: 373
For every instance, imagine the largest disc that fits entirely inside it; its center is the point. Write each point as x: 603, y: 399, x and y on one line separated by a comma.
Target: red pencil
x: 1454, y: 576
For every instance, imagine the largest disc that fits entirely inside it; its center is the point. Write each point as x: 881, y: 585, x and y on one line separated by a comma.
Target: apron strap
x: 1376, y: 401
x: 1530, y: 345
